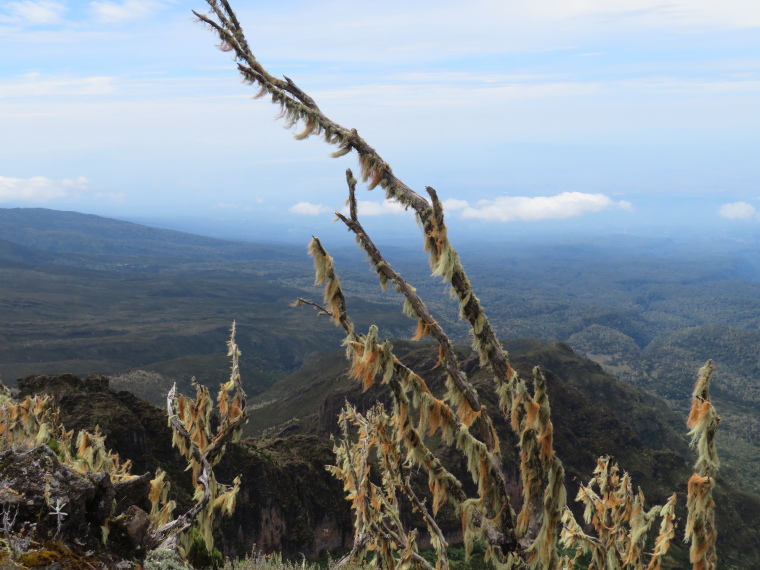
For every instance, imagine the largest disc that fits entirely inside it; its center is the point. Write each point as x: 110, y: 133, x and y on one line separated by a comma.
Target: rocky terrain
x: 289, y: 503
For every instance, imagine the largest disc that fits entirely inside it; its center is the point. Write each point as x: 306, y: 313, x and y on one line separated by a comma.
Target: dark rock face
x: 89, y: 403
x: 128, y: 533
x: 132, y: 492
x: 34, y: 482
x: 288, y: 502
x: 64, y: 514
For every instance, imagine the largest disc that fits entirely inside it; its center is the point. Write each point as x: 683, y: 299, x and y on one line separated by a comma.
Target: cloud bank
x: 739, y: 211
x: 35, y: 13
x: 524, y: 208
x: 502, y: 209
x: 126, y: 11
x: 308, y: 209
x: 38, y: 188
x: 366, y: 208
x: 369, y: 208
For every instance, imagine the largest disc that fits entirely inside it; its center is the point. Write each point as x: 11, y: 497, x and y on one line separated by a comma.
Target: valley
x: 149, y: 307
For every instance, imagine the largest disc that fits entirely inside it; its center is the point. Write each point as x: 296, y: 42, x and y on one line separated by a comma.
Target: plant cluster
x: 203, y: 448
x: 36, y: 421
x: 395, y: 443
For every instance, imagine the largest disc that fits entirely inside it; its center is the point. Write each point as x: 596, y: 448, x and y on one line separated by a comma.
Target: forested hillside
x: 86, y: 294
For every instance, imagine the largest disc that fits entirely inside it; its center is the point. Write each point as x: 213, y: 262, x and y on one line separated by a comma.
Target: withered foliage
x: 616, y: 522
x: 620, y: 523
x: 192, y: 434
x: 700, y: 525
x: 35, y: 421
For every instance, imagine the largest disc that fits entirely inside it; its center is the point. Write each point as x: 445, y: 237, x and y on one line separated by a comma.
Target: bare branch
x: 297, y: 106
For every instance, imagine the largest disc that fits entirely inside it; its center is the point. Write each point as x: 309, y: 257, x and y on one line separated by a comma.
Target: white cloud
x: 369, y: 208
x: 452, y: 204
x: 309, y: 209
x: 625, y: 205
x: 127, y: 11
x: 671, y: 13
x: 38, y: 188
x: 424, y: 29
x: 36, y: 13
x: 738, y: 211
x: 565, y: 205
x: 365, y: 207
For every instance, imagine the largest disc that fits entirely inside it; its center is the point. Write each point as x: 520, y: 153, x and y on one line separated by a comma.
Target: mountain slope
x: 593, y: 414
x: 73, y: 232
x: 664, y: 367
x: 91, y: 295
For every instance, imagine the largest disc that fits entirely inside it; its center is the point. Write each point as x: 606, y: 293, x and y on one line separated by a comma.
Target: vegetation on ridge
x: 35, y: 421
x: 616, y: 523
x: 512, y: 541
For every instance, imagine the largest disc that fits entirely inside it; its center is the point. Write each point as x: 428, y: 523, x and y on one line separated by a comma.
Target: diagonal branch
x: 297, y: 106
x: 428, y: 323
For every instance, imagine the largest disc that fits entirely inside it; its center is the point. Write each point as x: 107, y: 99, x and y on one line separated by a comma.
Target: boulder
x: 52, y: 500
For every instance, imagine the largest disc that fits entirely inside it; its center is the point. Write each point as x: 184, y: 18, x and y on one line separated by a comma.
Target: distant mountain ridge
x: 73, y: 232
x: 90, y: 295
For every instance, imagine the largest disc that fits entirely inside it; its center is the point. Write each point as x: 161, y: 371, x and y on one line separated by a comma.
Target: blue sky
x: 621, y: 115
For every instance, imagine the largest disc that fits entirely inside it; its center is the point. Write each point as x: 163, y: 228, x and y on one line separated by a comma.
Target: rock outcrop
x: 287, y: 503
x: 58, y: 514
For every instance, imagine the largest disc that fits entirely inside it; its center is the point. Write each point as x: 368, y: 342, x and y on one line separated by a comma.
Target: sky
x: 528, y: 118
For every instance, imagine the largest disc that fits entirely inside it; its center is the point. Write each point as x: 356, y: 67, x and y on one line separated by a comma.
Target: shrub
x: 397, y: 438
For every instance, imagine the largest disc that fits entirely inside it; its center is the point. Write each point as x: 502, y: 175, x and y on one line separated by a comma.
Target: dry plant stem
x: 620, y: 521
x: 360, y: 538
x: 415, y: 441
x: 432, y: 463
x: 368, y: 499
x: 504, y: 539
x: 341, y: 316
x: 167, y: 535
x: 483, y: 420
x: 700, y: 524
x: 297, y: 105
x: 449, y: 356
x: 429, y: 520
x: 403, y: 483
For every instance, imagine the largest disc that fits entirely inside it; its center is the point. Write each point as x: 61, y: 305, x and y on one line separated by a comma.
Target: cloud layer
x: 38, y: 188
x: 308, y: 209
x: 126, y: 11
x: 739, y: 211
x: 502, y: 209
x: 35, y: 13
x: 523, y: 208
x: 469, y: 98
x: 365, y: 207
